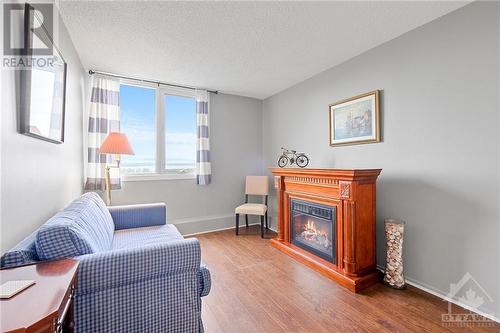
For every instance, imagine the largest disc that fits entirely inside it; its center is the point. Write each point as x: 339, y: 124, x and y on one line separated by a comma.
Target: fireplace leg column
x: 278, y: 184
x: 349, y: 238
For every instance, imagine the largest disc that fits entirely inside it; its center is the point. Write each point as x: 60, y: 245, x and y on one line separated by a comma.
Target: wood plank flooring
x: 256, y: 288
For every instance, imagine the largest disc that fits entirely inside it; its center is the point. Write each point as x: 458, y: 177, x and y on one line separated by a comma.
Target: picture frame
x: 355, y: 120
x: 43, y: 87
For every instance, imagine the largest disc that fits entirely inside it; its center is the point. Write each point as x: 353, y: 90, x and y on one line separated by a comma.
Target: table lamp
x: 117, y: 144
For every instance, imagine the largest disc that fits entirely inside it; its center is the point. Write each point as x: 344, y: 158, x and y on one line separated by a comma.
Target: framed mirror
x: 43, y: 82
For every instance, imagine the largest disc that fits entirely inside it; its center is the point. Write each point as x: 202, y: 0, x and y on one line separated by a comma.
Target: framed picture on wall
x: 355, y: 120
x: 43, y: 82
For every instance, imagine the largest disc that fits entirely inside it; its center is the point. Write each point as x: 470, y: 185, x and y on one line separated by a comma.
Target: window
x: 161, y: 127
x: 137, y: 120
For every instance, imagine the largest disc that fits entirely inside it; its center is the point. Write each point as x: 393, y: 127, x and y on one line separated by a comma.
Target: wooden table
x: 46, y: 306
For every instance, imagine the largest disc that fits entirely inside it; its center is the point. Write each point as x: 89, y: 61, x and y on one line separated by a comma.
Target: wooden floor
x: 256, y: 288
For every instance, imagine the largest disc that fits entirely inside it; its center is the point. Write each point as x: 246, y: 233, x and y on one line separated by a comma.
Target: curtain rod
x: 92, y: 72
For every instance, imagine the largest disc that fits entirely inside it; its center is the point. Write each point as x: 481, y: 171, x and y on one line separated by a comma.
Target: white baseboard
x: 438, y: 293
x: 201, y: 225
x: 222, y: 229
x: 210, y: 224
x: 200, y: 219
x: 215, y: 230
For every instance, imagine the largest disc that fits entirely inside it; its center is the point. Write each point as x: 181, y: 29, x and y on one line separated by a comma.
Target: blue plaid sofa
x: 136, y: 273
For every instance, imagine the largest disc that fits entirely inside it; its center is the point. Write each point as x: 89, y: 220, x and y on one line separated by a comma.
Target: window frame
x: 161, y: 173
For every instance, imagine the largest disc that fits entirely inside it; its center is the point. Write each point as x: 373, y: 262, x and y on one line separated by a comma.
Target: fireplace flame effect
x: 313, y: 234
x: 310, y: 226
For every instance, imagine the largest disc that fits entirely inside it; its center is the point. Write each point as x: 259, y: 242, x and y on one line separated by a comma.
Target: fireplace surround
x: 326, y: 220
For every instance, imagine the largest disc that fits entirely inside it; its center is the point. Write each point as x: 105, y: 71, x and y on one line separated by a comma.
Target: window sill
x: 157, y: 176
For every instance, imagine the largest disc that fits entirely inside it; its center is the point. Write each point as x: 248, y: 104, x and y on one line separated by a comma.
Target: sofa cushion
x: 139, y: 237
x: 84, y: 227
x: 22, y: 254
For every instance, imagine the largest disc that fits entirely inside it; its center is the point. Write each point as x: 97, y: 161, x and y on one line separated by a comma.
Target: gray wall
x: 236, y: 151
x: 440, y: 149
x: 39, y: 178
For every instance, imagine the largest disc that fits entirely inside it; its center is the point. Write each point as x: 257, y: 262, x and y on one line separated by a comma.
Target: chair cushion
x: 139, y: 237
x: 84, y: 227
x: 251, y: 209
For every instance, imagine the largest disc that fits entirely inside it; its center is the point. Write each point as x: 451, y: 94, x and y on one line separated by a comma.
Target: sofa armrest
x: 204, y: 281
x: 114, y: 269
x: 135, y: 216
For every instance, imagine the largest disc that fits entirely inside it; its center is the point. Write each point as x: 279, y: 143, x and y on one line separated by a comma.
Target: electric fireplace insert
x: 312, y: 228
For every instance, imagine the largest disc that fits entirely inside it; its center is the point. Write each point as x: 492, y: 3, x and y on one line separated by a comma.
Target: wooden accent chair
x: 254, y: 185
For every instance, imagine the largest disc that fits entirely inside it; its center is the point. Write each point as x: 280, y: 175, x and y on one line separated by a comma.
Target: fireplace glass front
x: 313, y: 228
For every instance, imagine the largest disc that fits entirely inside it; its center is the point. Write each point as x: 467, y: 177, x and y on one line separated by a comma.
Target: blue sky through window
x: 138, y: 122
x: 180, y: 132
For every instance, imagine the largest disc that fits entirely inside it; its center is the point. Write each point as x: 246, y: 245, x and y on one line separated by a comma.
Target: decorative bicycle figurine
x: 293, y: 157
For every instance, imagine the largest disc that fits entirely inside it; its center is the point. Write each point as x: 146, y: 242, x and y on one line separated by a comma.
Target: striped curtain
x: 104, y: 117
x: 203, y: 167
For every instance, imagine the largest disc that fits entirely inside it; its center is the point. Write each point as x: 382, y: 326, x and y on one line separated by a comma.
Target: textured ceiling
x: 247, y: 48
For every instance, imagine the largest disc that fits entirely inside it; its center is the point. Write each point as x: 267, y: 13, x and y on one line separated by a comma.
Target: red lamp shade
x: 116, y: 143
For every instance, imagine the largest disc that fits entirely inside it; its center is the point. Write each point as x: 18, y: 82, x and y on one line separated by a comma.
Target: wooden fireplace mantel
x: 352, y: 193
